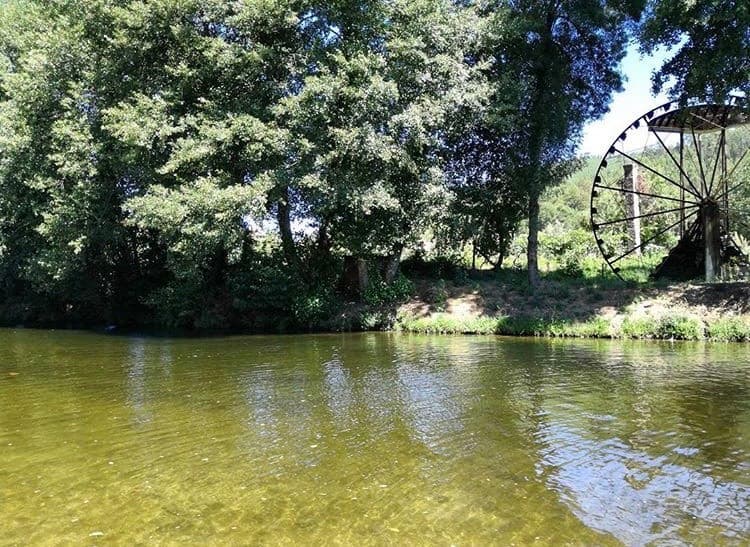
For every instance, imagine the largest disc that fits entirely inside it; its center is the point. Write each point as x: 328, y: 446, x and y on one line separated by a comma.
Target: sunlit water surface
x: 371, y: 438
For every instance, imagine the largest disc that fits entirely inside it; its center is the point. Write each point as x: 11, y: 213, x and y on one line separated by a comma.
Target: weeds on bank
x: 677, y: 327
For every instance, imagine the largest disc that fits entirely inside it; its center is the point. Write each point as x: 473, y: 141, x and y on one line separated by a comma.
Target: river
x: 371, y: 439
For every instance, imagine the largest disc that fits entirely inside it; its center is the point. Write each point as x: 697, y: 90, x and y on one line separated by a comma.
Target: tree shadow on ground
x: 495, y: 294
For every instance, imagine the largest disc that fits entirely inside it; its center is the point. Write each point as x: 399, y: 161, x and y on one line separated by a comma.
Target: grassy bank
x: 679, y: 327
x: 578, y: 308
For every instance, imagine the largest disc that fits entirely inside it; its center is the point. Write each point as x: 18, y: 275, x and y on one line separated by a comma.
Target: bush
x: 729, y: 329
x: 437, y: 295
x: 569, y: 248
x: 522, y: 326
x: 639, y: 327
x: 599, y: 327
x: 676, y: 327
x: 376, y: 320
x: 512, y: 326
x: 313, y: 306
x: 680, y: 328
x: 437, y: 268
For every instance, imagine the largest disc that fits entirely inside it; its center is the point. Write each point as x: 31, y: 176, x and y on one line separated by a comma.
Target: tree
x: 369, y: 125
x: 711, y: 46
x: 564, y: 58
x: 59, y: 203
x: 138, y: 141
x: 488, y: 203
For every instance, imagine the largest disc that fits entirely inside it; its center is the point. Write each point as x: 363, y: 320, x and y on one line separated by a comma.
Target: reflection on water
x: 372, y: 438
x: 636, y: 497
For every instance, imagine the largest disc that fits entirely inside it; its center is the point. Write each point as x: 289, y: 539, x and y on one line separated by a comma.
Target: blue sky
x: 635, y: 100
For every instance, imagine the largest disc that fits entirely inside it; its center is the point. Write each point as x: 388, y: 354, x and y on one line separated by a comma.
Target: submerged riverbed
x: 372, y: 438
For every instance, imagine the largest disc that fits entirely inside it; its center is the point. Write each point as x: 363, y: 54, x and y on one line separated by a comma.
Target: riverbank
x: 578, y: 308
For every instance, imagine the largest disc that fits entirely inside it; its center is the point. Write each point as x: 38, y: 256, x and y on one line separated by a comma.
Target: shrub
x: 375, y: 320
x: 598, y: 327
x: 680, y: 328
x: 522, y: 326
x: 639, y: 327
x: 729, y: 329
x: 439, y: 267
x: 568, y: 248
x: 312, y: 306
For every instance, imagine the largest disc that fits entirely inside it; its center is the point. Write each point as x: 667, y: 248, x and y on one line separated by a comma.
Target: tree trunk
x: 532, y: 248
x: 355, y: 277
x: 391, y: 265
x: 363, y: 277
x: 324, y: 241
x: 540, y: 105
x: 499, y: 263
x: 285, y: 229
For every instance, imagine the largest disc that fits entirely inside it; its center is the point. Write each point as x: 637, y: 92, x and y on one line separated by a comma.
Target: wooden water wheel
x: 672, y: 193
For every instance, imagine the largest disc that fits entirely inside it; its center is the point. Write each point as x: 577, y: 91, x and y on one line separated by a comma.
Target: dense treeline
x: 202, y: 163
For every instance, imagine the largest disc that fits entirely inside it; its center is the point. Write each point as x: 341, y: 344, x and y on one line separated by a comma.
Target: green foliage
x: 729, y: 329
x: 639, y: 327
x: 436, y: 267
x: 712, y: 42
x: 680, y: 328
x: 151, y: 151
x: 446, y: 324
x: 437, y: 295
x: 312, y: 306
x: 511, y: 326
x: 669, y: 327
x: 569, y: 248
x: 380, y: 293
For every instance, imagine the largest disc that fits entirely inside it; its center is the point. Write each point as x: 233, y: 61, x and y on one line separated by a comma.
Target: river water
x: 371, y: 439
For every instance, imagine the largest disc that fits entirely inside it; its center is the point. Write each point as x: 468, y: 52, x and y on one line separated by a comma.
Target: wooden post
x: 632, y: 204
x: 712, y: 241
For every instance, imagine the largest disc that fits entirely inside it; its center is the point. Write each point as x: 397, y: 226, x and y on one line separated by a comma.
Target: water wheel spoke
x: 719, y: 148
x: 657, y: 173
x: 637, y: 192
x: 697, y: 148
x: 645, y: 215
x: 653, y: 237
x: 669, y: 153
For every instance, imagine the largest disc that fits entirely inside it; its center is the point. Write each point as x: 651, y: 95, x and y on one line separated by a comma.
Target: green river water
x: 371, y: 439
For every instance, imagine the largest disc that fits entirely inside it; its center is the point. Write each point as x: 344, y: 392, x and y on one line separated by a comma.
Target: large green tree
x: 369, y: 126
x: 564, y: 60
x: 59, y: 198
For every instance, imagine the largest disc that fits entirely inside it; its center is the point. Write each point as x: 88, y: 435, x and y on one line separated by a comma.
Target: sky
x: 635, y: 100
